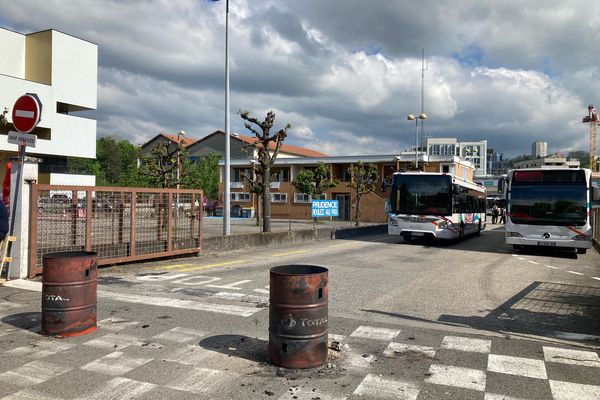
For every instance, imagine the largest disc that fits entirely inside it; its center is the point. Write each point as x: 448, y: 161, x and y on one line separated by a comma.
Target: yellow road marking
x: 290, y: 253
x: 344, y: 244
x: 174, y: 266
x: 211, y: 265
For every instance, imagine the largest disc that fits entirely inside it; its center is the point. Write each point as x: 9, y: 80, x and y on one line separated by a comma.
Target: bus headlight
x: 393, y: 221
x: 444, y: 224
x: 513, y: 234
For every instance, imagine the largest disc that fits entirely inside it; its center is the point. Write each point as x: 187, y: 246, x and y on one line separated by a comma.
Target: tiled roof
x: 184, y: 139
x: 285, y: 148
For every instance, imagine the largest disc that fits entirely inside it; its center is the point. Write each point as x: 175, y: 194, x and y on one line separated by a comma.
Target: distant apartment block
x: 552, y: 161
x: 539, y: 149
x: 475, y: 152
x: 63, y: 71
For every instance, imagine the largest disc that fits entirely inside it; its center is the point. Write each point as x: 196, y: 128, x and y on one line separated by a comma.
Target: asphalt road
x: 416, y: 320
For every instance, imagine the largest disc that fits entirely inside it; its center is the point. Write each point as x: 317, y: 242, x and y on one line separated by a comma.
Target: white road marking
x: 596, y: 278
x: 180, y: 335
x: 41, y: 349
x: 394, y: 348
x: 112, y: 341
x: 466, y: 344
x: 197, y: 280
x: 190, y: 355
x: 550, y: 266
x: 197, y: 380
x: 115, y: 363
x: 263, y: 291
x: 298, y: 393
x: 120, y: 388
x: 533, y: 262
x: 231, y: 286
x: 241, y: 311
x: 574, y: 391
x: 492, y: 396
x: 573, y: 357
x: 374, y: 386
x: 520, y: 258
x: 574, y: 272
x: 519, y: 366
x: 248, y: 298
x: 34, y: 286
x: 116, y: 324
x: 158, y: 278
x: 370, y: 332
x: 29, y: 394
x: 448, y: 375
x: 32, y: 373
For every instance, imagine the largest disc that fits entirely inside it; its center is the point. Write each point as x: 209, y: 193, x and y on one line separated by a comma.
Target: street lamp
x: 179, y: 134
x: 226, y: 194
x: 411, y: 117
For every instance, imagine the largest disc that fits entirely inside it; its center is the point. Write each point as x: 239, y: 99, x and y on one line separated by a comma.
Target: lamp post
x: 227, y: 189
x: 411, y: 117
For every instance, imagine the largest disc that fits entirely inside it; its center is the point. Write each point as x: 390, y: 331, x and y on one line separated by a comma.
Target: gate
x: 120, y: 224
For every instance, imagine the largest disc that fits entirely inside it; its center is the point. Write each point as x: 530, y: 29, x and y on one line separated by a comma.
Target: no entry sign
x: 26, y: 113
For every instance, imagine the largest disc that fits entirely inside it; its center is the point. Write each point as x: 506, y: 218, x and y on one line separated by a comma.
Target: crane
x: 593, y: 120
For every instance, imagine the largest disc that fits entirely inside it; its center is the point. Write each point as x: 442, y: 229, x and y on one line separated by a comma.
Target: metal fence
x: 120, y: 224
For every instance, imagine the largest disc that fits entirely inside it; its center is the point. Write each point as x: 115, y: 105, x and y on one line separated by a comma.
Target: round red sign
x: 26, y: 113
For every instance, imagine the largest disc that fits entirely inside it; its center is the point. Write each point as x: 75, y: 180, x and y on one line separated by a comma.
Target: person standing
x: 495, y: 213
x: 502, y: 215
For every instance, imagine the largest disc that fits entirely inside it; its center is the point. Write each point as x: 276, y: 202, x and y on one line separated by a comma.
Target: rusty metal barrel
x: 69, y: 282
x: 298, y: 316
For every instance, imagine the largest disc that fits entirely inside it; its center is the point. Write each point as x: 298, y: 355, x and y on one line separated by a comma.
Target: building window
x: 435, y: 150
x: 302, y: 198
x: 239, y: 173
x: 281, y: 174
x: 278, y: 197
x: 240, y: 197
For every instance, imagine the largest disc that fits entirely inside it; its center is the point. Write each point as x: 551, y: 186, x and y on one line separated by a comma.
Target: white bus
x: 550, y: 207
x: 435, y: 205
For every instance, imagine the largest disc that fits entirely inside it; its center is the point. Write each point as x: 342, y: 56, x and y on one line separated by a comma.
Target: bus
x: 435, y: 205
x: 550, y: 207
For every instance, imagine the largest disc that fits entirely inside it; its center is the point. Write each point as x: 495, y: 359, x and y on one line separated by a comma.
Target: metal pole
x: 416, y: 143
x: 14, y: 204
x: 226, y: 195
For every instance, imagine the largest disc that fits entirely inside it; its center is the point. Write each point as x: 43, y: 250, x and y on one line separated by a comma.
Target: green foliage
x: 315, y: 182
x: 202, y: 174
x: 362, y: 179
x: 159, y: 167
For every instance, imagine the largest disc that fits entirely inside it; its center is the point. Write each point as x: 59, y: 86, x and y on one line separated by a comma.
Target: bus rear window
x: 550, y: 176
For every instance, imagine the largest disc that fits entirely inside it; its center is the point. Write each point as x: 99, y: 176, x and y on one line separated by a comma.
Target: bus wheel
x: 581, y: 251
x: 478, y: 229
x: 407, y: 237
x: 517, y: 247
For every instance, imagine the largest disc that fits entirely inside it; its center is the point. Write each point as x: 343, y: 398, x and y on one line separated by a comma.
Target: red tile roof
x: 186, y: 140
x: 285, y: 148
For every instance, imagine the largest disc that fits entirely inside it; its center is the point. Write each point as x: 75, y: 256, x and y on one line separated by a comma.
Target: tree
x: 315, y: 182
x: 254, y: 184
x: 266, y: 155
x: 362, y: 179
x: 159, y: 168
x: 202, y: 174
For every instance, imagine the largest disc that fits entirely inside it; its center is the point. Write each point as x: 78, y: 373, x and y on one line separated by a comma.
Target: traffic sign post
x: 26, y: 115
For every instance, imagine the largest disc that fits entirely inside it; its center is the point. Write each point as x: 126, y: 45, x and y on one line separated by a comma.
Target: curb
x: 221, y: 244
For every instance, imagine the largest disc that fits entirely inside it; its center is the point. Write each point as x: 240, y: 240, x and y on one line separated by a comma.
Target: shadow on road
x: 240, y: 346
x: 29, y: 321
x: 542, y: 308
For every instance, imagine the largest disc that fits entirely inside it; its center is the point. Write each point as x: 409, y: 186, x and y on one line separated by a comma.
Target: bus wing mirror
x: 595, y: 193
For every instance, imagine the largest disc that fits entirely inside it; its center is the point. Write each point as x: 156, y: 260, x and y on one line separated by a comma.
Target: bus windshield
x: 421, y: 194
x: 548, y: 204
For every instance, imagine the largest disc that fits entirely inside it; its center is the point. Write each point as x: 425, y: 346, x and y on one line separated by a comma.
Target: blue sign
x: 325, y: 208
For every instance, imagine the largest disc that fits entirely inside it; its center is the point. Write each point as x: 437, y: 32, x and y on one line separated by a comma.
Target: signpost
x: 325, y: 208
x: 26, y: 114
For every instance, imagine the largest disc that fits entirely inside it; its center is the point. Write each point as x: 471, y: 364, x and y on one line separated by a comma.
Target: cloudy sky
x: 343, y: 73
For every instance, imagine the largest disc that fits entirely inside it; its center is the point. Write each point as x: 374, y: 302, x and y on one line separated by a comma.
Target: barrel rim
x: 298, y: 269
x: 70, y: 254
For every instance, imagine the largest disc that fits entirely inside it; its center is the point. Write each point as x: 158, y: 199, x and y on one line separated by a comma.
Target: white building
x: 475, y: 152
x: 539, y: 149
x: 551, y: 161
x: 63, y: 71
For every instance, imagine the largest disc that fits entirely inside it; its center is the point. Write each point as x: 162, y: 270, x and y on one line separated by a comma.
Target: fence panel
x: 120, y: 224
